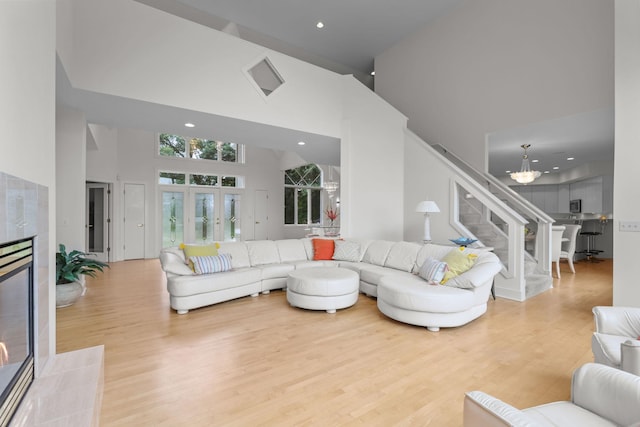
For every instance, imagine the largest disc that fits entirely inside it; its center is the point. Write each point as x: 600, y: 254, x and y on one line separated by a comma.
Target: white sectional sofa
x: 262, y: 266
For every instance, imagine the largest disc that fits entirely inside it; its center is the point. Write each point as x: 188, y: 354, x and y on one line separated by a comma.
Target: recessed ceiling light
x: 320, y: 24
x: 555, y: 168
x: 546, y: 171
x: 373, y: 73
x: 507, y: 171
x: 190, y: 125
x: 535, y: 161
x: 571, y: 158
x: 301, y: 142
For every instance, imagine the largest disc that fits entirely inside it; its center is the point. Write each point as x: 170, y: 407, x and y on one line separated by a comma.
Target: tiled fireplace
x: 24, y: 217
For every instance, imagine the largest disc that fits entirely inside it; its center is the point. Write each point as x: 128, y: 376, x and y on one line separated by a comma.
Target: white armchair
x: 616, y: 341
x: 600, y: 396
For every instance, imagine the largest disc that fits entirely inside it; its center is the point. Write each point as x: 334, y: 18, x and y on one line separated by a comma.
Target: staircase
x: 484, y: 208
x: 488, y: 233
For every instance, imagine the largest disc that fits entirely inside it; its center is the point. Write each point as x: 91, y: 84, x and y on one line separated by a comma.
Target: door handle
x: 257, y: 222
x: 140, y: 225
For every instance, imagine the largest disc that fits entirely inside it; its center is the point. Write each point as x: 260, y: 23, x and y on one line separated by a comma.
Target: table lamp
x: 427, y: 207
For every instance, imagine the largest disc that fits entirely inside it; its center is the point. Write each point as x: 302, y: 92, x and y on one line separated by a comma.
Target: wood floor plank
x: 258, y: 361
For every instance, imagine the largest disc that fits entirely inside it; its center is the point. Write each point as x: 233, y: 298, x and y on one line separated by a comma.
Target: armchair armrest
x: 608, y: 392
x: 623, y: 321
x: 483, y: 410
x: 630, y: 357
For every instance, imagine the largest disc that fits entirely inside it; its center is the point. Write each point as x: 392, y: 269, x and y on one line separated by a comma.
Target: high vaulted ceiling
x: 354, y: 32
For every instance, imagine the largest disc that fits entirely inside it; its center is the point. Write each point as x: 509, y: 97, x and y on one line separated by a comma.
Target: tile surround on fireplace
x: 24, y: 212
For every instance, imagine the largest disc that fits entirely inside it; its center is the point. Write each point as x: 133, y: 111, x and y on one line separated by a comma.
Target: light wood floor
x: 257, y: 361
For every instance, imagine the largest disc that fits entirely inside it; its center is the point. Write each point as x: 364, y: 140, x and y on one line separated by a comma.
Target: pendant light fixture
x: 526, y: 175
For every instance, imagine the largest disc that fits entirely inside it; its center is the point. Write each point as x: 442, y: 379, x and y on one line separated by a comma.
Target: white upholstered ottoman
x: 323, y: 288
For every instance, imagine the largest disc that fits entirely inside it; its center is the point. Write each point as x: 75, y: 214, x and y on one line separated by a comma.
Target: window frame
x: 186, y: 155
x: 309, y: 198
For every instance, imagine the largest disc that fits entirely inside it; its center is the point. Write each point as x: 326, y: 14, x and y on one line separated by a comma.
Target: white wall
x: 626, y: 197
x: 27, y: 108
x: 372, y: 172
x: 432, y: 182
x: 102, y: 158
x: 499, y: 64
x: 71, y: 154
x: 130, y: 156
x: 27, y: 85
x: 120, y: 48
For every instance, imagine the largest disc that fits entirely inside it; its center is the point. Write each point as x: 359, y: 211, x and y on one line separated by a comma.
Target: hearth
x: 16, y: 324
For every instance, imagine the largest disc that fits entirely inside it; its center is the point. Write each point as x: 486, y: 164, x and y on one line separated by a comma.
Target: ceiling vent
x: 265, y: 76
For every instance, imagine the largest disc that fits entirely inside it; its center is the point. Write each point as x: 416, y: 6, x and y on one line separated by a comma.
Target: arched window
x: 302, y: 191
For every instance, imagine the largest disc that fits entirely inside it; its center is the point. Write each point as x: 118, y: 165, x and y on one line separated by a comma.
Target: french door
x: 200, y: 215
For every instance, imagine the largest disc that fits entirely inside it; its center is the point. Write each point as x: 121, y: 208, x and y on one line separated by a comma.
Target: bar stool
x: 591, y: 251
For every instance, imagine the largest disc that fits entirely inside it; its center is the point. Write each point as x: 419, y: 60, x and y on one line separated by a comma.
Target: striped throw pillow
x: 211, y: 264
x: 433, y: 270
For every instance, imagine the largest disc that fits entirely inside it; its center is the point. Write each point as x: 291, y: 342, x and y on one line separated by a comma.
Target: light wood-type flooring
x: 257, y: 361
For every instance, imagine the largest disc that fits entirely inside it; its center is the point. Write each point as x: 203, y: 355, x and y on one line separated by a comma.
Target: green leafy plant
x: 69, y: 266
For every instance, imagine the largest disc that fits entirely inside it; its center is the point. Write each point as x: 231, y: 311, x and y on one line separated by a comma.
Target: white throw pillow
x: 347, y: 251
x: 432, y: 270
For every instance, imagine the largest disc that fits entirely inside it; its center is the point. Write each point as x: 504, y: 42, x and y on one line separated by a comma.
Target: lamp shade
x: 427, y: 206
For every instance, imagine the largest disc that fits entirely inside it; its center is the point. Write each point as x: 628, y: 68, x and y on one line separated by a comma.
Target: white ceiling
x: 588, y: 137
x: 355, y: 32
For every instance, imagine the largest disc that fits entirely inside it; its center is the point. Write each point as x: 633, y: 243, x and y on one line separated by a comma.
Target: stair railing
x: 516, y: 223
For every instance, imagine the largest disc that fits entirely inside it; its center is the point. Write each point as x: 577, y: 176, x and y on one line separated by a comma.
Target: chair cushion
x: 402, y: 256
x: 238, y: 251
x: 377, y: 252
x: 412, y: 293
x: 276, y: 271
x: 566, y: 414
x: 263, y: 252
x: 291, y: 250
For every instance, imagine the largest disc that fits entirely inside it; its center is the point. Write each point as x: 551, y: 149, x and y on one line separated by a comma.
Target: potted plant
x: 69, y: 267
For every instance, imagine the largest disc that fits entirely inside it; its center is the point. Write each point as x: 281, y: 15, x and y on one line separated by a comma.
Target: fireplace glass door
x: 16, y: 325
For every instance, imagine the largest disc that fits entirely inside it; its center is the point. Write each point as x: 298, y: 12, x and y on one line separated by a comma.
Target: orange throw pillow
x: 323, y: 249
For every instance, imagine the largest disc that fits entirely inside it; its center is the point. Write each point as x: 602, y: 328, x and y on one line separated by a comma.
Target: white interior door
x: 98, y: 211
x: 214, y: 215
x: 134, y: 221
x: 260, y: 215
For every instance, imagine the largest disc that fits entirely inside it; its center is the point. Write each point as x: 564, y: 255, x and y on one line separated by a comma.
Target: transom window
x: 302, y: 195
x: 182, y: 178
x: 199, y: 148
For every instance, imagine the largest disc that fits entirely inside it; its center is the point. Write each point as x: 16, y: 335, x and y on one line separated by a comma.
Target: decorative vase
x: 67, y: 294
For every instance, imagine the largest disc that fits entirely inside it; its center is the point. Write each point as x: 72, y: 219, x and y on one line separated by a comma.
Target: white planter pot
x: 67, y: 294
